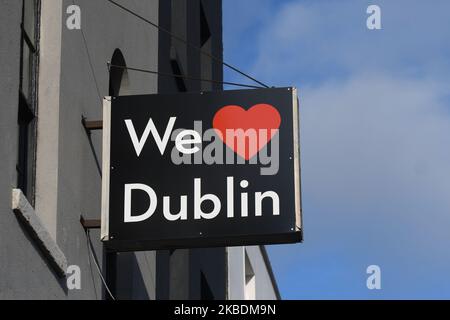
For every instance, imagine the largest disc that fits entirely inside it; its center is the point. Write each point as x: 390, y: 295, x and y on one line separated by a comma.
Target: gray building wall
x: 73, y: 79
x: 68, y: 179
x: 106, y: 28
x: 24, y: 272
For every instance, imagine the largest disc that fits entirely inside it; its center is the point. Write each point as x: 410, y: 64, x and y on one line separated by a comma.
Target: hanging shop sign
x: 201, y: 169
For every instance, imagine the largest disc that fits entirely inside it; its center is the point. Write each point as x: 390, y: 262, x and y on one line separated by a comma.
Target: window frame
x: 28, y: 103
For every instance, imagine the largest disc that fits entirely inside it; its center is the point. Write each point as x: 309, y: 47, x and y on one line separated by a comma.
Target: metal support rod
x: 90, y: 224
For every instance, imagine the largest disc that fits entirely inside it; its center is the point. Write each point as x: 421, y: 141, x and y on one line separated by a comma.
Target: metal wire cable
x: 91, y: 65
x: 94, y: 257
x: 188, y: 44
x: 183, y: 76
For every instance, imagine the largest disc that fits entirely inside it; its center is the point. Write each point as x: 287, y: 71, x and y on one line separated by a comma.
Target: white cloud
x: 308, y: 39
x: 377, y: 141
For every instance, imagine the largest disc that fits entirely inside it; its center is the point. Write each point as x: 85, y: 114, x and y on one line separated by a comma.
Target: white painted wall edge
x: 47, y: 152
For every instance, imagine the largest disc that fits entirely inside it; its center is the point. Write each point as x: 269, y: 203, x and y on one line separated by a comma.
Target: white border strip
x: 297, y: 175
x: 106, y: 167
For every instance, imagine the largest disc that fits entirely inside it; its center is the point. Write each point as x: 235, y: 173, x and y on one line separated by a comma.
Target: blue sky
x: 375, y: 139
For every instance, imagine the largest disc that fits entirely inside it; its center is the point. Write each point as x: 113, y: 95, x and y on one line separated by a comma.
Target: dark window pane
x: 205, y: 33
x: 27, y: 67
x: 31, y: 160
x: 206, y: 45
x: 22, y: 163
x: 27, y: 150
x: 205, y: 289
x: 27, y: 102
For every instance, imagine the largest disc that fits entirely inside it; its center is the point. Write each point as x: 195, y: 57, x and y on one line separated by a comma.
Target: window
x: 206, y: 63
x: 178, y: 50
x: 28, y: 98
x: 176, y: 69
x: 205, y: 32
x: 250, y: 280
x: 205, y: 289
x: 118, y: 77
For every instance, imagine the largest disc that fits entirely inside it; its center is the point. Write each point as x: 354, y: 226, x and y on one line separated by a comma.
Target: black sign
x: 201, y: 169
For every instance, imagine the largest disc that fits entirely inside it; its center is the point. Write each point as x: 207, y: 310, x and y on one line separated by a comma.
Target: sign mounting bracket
x: 91, y: 125
x: 90, y: 223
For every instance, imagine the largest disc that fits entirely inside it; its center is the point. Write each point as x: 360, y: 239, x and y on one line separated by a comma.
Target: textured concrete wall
x: 25, y: 272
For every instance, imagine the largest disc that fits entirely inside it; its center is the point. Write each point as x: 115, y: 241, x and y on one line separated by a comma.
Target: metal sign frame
x: 112, y: 242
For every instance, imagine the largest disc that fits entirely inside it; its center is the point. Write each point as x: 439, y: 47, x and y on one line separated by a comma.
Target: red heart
x: 258, y: 117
